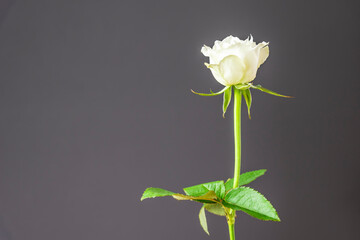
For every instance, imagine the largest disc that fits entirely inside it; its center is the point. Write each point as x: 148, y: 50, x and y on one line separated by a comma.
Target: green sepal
x: 226, y: 100
x: 242, y: 86
x: 259, y: 87
x: 245, y: 178
x: 198, y: 190
x: 248, y: 99
x: 155, y: 192
x: 215, y: 208
x: 203, y: 222
x: 212, y: 93
x: 251, y: 202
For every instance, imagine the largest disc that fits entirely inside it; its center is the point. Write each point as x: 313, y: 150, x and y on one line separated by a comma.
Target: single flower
x: 234, y: 61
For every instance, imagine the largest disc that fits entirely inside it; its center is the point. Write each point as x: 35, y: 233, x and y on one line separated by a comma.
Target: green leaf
x: 245, y: 178
x: 215, y: 208
x: 195, y: 191
x: 251, y: 202
x: 198, y: 190
x: 218, y: 187
x: 203, y: 222
x: 209, y: 197
x: 226, y: 100
x: 248, y: 99
x: 155, y: 192
x: 212, y: 93
x: 259, y: 87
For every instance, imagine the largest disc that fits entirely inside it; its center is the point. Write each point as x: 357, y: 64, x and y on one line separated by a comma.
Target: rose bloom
x: 234, y: 61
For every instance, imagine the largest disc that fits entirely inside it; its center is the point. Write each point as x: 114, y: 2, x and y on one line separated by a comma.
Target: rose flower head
x: 234, y: 61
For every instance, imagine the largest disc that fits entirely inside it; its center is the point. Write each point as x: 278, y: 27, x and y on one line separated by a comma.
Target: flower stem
x: 231, y: 231
x: 237, y: 141
x: 237, y: 135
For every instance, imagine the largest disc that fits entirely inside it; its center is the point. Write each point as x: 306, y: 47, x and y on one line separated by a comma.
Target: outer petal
x: 251, y: 60
x: 232, y: 69
x: 264, y: 52
x: 206, y: 50
x: 215, y: 70
x: 227, y: 42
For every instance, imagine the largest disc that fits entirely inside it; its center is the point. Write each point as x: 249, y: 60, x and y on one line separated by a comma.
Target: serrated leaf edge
x: 242, y: 184
x: 277, y: 215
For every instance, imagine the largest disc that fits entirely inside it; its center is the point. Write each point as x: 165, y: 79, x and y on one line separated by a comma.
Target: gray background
x: 96, y: 106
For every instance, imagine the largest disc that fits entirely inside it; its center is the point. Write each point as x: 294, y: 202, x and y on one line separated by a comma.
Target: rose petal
x: 206, y: 50
x: 264, y: 53
x: 232, y: 69
x: 251, y: 59
x: 215, y: 70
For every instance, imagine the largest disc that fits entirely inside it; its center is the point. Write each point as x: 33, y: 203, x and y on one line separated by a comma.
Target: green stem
x: 231, y: 231
x: 237, y: 141
x: 237, y: 135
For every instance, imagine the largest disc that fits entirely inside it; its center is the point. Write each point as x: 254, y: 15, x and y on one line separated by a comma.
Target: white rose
x: 234, y: 61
